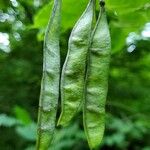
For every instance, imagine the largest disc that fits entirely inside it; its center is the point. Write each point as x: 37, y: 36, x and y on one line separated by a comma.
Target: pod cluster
x: 83, y: 82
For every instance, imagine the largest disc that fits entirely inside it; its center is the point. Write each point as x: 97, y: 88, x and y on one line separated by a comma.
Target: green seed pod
x: 50, y: 80
x: 97, y: 82
x: 73, y: 73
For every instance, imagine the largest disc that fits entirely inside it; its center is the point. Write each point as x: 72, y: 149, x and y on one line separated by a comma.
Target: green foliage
x: 121, y: 131
x: 23, y: 124
x: 66, y: 22
x: 28, y: 132
x: 22, y: 115
x: 67, y: 137
x: 39, y: 16
x: 8, y: 121
x: 122, y: 17
x: 21, y: 69
x: 64, y: 138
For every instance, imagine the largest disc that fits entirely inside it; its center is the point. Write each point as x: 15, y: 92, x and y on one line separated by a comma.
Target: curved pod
x: 97, y: 82
x: 50, y: 80
x: 73, y: 73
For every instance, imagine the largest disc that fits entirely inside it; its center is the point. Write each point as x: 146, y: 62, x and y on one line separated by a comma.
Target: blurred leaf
x: 119, y: 40
x: 7, y: 121
x: 116, y: 139
x: 124, y: 23
x: 41, y: 18
x: 126, y: 6
x: 29, y: 2
x: 22, y: 115
x: 28, y: 132
x: 4, y: 4
x: 67, y: 137
x: 146, y: 148
x: 121, y: 130
x: 30, y: 147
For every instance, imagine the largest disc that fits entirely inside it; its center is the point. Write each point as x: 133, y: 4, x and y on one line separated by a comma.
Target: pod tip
x: 62, y: 122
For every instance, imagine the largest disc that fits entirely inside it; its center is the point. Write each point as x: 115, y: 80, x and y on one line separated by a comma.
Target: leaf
x: 116, y: 139
x: 67, y: 137
x: 125, y: 6
x: 7, y: 121
x: 22, y: 115
x: 69, y: 14
x: 41, y: 18
x: 146, y: 148
x: 4, y: 4
x: 27, y: 132
x: 126, y: 12
x: 29, y: 2
x: 118, y: 40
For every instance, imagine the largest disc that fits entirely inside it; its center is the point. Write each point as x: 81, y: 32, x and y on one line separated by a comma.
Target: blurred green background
x: 22, y: 27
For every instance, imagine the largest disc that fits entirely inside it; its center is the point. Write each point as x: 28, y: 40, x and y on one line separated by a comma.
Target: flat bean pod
x: 97, y: 81
x: 73, y: 72
x: 50, y: 80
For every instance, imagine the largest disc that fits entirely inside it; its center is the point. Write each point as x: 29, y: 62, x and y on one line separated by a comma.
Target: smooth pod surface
x: 50, y: 80
x: 73, y: 72
x: 97, y: 82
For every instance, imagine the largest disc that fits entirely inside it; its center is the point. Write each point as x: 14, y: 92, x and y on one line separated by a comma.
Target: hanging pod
x: 73, y: 72
x: 50, y: 80
x: 96, y: 82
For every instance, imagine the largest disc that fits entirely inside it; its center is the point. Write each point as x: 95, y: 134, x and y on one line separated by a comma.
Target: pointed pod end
x: 58, y: 124
x: 61, y: 122
x: 93, y: 146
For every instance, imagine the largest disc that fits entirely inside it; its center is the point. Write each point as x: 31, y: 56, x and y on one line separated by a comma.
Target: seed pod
x: 50, y: 80
x: 73, y: 73
x: 97, y: 82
